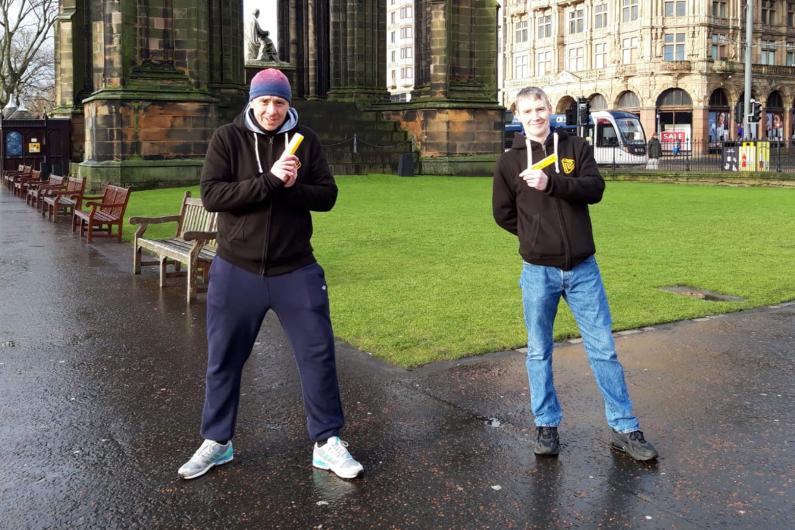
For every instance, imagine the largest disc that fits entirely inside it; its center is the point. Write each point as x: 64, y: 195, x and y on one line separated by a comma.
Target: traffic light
x: 571, y: 115
x: 756, y: 110
x: 583, y: 111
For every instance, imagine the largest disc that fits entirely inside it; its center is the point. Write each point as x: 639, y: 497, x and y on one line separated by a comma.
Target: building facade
x: 400, y: 48
x: 678, y: 64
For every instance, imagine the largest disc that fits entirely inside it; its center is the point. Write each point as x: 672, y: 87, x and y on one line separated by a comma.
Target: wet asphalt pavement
x: 101, y: 388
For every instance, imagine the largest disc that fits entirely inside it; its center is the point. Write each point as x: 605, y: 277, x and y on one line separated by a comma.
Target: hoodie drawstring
x: 529, y: 153
x: 555, y: 149
x: 256, y: 150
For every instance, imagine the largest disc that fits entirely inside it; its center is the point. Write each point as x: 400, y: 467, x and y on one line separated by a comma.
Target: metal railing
x: 727, y: 156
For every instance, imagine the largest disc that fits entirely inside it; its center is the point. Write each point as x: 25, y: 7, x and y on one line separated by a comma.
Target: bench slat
x: 177, y: 250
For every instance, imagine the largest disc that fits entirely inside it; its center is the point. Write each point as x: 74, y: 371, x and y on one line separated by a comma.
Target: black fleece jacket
x: 264, y: 227
x: 553, y: 226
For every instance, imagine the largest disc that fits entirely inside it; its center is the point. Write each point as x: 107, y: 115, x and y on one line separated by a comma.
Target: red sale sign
x: 672, y: 136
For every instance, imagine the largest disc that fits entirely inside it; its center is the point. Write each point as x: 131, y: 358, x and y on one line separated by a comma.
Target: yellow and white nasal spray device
x: 544, y: 162
x: 292, y: 147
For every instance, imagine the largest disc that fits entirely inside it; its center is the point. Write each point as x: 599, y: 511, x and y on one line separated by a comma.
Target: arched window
x: 628, y: 100
x: 565, y: 103
x: 774, y: 100
x: 718, y: 98
x: 675, y: 114
x: 598, y: 102
x: 674, y: 97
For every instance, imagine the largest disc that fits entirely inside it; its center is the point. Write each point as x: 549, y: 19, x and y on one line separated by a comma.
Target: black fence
x: 730, y: 156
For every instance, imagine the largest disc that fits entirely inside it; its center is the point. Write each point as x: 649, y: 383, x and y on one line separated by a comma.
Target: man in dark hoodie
x: 547, y: 208
x: 264, y: 196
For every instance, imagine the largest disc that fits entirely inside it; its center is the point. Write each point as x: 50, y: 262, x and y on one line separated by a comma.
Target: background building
x: 400, y: 49
x: 678, y: 64
x: 145, y: 84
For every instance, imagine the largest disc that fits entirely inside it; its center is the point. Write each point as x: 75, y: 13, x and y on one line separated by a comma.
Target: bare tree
x: 37, y: 87
x: 26, y: 62
x: 41, y: 101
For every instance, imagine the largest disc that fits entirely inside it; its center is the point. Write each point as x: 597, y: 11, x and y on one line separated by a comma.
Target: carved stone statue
x: 259, y: 46
x: 252, y: 37
x: 268, y: 50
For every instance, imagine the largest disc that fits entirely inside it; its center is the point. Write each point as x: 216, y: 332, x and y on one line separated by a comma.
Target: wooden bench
x: 10, y: 175
x: 106, y: 211
x: 65, y: 200
x: 38, y: 191
x: 22, y: 182
x: 193, y: 244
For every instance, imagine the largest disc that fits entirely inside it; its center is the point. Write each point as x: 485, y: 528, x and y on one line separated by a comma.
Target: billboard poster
x: 718, y: 126
x: 775, y: 125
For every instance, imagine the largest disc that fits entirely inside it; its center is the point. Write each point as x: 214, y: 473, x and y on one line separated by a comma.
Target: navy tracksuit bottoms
x: 237, y: 301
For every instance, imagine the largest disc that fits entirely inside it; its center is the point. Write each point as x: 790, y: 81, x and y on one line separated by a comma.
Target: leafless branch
x: 26, y: 58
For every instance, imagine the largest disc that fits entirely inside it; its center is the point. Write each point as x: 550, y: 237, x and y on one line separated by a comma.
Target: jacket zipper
x: 562, y: 223
x: 264, y: 267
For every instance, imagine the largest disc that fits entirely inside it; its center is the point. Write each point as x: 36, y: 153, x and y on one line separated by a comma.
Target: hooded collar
x: 247, y: 121
x: 520, y: 141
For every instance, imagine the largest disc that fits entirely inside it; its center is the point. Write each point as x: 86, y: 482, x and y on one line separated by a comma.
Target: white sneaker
x: 334, y: 455
x: 208, y: 455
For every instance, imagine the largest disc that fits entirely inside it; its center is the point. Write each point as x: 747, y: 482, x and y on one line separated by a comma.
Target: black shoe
x: 547, y: 441
x: 634, y: 444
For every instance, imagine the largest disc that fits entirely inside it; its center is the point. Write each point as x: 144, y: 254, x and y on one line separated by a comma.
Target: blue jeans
x: 583, y: 290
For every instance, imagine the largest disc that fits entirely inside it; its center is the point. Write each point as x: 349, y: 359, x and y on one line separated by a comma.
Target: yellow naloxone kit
x: 544, y: 162
x: 292, y: 147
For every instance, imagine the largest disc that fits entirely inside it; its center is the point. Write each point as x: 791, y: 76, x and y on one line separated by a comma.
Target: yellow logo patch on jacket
x: 568, y: 165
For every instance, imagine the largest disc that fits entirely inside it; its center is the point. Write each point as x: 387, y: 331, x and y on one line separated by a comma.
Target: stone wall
x: 152, y: 79
x: 147, y: 130
x: 453, y: 141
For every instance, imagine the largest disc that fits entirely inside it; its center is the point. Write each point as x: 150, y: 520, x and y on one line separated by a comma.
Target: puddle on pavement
x: 701, y: 294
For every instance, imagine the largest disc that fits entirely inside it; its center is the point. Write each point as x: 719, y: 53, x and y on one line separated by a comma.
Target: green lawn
x: 156, y: 203
x: 418, y: 271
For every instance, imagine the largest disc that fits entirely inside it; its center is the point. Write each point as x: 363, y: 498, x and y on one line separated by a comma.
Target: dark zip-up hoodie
x: 264, y: 227
x: 553, y: 226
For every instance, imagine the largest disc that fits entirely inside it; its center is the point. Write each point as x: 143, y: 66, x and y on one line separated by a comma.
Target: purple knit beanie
x: 270, y: 82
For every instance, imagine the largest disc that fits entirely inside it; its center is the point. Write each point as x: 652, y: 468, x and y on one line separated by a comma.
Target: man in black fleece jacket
x: 264, y: 196
x: 546, y: 206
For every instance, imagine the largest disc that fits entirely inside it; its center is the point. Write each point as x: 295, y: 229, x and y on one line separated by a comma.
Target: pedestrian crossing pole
x: 749, y: 35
